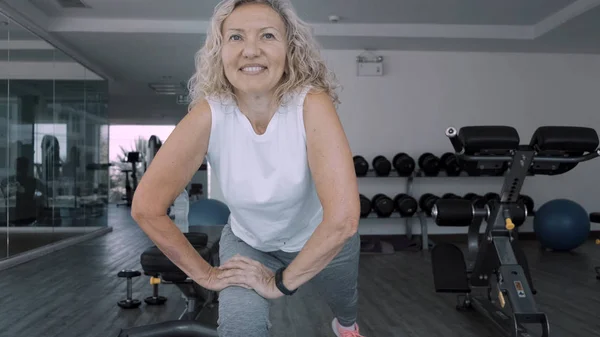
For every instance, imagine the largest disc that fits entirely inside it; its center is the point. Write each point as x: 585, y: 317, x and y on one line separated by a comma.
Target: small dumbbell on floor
x: 155, y: 299
x: 129, y: 302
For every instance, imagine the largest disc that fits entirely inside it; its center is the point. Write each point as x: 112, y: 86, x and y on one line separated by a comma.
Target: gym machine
x: 595, y: 218
x: 133, y: 158
x: 162, y: 270
x: 154, y: 145
x: 495, y: 267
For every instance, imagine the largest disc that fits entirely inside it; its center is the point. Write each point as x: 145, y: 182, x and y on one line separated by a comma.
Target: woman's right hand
x: 214, y: 283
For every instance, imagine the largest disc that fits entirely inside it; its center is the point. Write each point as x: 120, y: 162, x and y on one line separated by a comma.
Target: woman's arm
x: 172, y: 168
x: 332, y: 168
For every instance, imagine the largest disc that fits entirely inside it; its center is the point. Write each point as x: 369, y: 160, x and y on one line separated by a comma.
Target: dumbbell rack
x: 420, y: 214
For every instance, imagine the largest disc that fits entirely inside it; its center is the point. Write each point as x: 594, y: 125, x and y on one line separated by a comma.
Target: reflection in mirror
x: 4, y: 141
x: 54, y: 146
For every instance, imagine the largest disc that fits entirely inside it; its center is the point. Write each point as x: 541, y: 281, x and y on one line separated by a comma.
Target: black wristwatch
x: 279, y: 282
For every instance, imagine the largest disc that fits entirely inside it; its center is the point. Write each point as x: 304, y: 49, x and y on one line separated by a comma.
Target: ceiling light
x: 163, y: 88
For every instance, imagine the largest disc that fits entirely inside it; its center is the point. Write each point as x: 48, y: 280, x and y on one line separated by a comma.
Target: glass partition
x: 4, y: 139
x: 54, y: 145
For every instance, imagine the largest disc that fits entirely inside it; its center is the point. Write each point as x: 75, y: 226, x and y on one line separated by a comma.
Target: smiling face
x: 254, y: 49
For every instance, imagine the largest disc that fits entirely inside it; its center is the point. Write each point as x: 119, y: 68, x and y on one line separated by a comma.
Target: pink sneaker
x: 340, y: 332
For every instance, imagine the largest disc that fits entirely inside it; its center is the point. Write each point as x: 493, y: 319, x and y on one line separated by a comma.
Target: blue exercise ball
x: 561, y: 225
x: 208, y: 212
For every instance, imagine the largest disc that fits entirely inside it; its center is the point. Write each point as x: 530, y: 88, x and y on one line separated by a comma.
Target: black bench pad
x: 565, y: 138
x: 154, y: 262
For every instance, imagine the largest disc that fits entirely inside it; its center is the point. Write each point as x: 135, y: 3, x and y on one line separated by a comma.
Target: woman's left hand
x: 244, y: 270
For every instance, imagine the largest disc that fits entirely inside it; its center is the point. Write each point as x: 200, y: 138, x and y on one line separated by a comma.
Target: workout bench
x: 161, y: 270
x: 494, y: 264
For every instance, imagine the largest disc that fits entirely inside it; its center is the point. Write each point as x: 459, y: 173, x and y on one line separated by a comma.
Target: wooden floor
x: 73, y: 293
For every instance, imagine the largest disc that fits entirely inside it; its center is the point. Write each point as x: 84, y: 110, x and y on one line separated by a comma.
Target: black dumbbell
x: 365, y: 206
x: 382, y: 205
x: 427, y: 201
x: 404, y: 164
x: 129, y: 302
x: 382, y: 166
x: 405, y: 205
x: 155, y: 299
x: 476, y: 200
x: 528, y: 202
x: 451, y: 164
x: 361, y: 166
x: 429, y: 164
x: 492, y: 196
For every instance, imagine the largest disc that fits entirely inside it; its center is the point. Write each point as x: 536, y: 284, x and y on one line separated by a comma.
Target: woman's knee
x: 242, y: 312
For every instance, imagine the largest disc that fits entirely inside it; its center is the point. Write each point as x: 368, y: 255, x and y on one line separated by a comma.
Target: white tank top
x: 265, y: 179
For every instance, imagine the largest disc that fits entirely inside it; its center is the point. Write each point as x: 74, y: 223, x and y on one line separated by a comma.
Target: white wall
x: 422, y: 93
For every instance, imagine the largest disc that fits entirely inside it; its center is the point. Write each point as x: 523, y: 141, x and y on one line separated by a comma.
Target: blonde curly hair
x: 304, y: 65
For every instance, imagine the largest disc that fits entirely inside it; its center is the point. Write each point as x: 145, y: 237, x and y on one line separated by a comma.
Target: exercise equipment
x: 491, y: 197
x: 495, y: 266
x: 361, y: 166
x: 212, y: 215
x: 133, y: 158
x: 405, y: 205
x: 382, y: 166
x: 382, y: 205
x: 179, y: 211
x: 154, y: 145
x: 129, y: 302
x: 528, y: 202
x: 450, y: 196
x: 561, y: 225
x: 208, y: 212
x: 477, y: 200
x: 450, y: 164
x: 156, y: 265
x: 429, y: 164
x: 365, y: 206
x: 427, y: 201
x: 155, y: 299
x: 403, y: 164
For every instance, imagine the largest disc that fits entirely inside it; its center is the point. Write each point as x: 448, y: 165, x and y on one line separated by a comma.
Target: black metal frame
x: 492, y: 259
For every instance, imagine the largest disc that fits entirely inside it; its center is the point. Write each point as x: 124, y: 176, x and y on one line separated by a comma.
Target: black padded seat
x: 197, y: 239
x: 595, y: 217
x: 154, y: 262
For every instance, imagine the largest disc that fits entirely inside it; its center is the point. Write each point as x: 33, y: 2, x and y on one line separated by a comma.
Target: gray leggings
x: 242, y: 312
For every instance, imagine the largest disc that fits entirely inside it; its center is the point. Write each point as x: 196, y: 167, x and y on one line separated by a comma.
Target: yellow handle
x: 154, y: 280
x: 509, y: 224
x: 598, y: 241
x: 501, y: 298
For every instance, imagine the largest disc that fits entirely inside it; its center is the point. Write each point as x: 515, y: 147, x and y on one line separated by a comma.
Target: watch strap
x: 279, y: 282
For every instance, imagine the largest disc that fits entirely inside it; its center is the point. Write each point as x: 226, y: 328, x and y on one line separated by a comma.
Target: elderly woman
x: 263, y: 113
